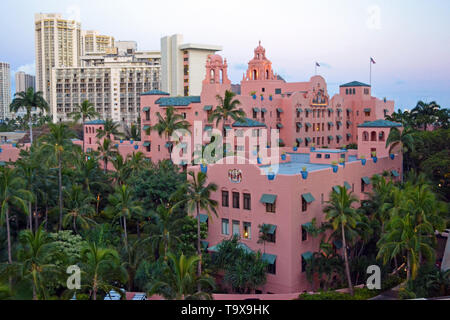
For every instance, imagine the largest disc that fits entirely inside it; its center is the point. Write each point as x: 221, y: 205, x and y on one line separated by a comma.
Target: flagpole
x: 370, y: 72
x: 315, y: 68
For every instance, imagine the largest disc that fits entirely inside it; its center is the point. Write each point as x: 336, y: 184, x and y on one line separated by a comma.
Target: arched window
x: 221, y: 75
x: 213, y: 76
x: 255, y: 74
x: 267, y: 74
x: 381, y: 136
x: 373, y: 136
x: 365, y: 136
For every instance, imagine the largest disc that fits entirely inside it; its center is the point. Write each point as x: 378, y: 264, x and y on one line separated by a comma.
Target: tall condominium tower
x: 93, y: 42
x: 183, y: 65
x: 24, y: 81
x: 5, y: 90
x: 57, y: 44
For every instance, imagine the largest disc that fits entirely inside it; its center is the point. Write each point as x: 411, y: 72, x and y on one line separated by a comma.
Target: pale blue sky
x: 410, y: 40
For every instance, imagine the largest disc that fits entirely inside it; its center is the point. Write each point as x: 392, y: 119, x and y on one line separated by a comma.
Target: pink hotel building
x: 249, y: 194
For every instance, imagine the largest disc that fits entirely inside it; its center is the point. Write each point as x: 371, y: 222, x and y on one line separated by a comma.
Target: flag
x: 317, y: 64
x: 372, y: 61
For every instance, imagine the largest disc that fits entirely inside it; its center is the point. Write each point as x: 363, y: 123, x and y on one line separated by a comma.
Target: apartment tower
x: 5, y: 90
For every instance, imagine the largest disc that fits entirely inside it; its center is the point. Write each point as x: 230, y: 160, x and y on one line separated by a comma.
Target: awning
x: 146, y: 128
x: 367, y: 109
x: 347, y: 185
x: 299, y: 125
x: 349, y: 135
x: 208, y: 128
x: 268, y: 198
x: 308, y: 139
x: 205, y: 244
x: 207, y: 108
x: 308, y: 109
x: 308, y: 197
x: 255, y: 109
x: 280, y: 110
x: 336, y: 189
x: 339, y: 110
x: 330, y: 137
x: 331, y: 124
x: 168, y: 144
x: 203, y: 217
x: 330, y: 109
x: 147, y: 144
x: 349, y: 122
x: 299, y: 110
x: 339, y: 136
x: 279, y: 125
x: 308, y: 124
x: 366, y: 180
x: 280, y: 141
x: 145, y: 109
x: 339, y: 123
x: 349, y: 110
x: 263, y: 110
x: 307, y: 255
x: 269, y: 258
x: 395, y: 173
x: 299, y: 140
x: 307, y: 225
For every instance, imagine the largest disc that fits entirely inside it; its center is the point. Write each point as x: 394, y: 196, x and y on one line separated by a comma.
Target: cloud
x: 240, y: 66
x: 325, y: 65
x: 27, y: 68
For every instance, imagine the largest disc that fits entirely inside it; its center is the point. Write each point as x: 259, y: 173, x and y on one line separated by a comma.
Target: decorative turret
x: 259, y: 68
x: 216, y: 70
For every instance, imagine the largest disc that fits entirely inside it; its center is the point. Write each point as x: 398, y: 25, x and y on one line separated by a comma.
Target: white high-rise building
x: 5, y: 90
x: 183, y: 65
x: 94, y: 42
x: 23, y: 81
x: 57, y: 44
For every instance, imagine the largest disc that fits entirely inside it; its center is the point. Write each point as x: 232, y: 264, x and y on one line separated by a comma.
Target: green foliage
x: 360, y: 294
x: 69, y: 245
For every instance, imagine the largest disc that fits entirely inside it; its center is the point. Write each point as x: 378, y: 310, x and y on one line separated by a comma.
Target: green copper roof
x: 299, y: 140
x: 330, y: 137
x: 269, y: 258
x: 280, y: 110
x: 366, y: 180
x: 177, y: 101
x: 308, y: 197
x: 255, y: 109
x: 95, y: 122
x: 155, y: 93
x: 203, y: 217
x: 354, y: 84
x: 268, y: 198
x: 246, y: 122
x: 263, y: 110
x: 379, y: 123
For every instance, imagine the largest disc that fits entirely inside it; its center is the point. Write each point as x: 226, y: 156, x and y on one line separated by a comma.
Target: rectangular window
x: 147, y: 115
x: 303, y: 264
x: 247, y: 230
x: 277, y: 91
x: 304, y: 205
x: 247, y: 201
x: 236, y: 200
x: 304, y: 234
x: 236, y: 228
x: 225, y: 226
x: 272, y: 268
x: 270, y: 207
x: 225, y: 199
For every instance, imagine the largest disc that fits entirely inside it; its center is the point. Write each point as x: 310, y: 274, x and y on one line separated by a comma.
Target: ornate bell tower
x: 259, y: 68
x: 216, y: 80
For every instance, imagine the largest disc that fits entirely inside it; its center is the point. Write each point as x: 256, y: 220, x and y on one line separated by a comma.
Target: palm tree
x: 134, y: 133
x: 29, y: 100
x: 162, y: 230
x: 197, y: 196
x: 122, y: 170
x: 56, y: 143
x: 85, y: 111
x: 403, y: 117
x: 168, y: 125
x: 226, y: 110
x: 343, y: 216
x: 110, y: 128
x: 78, y: 207
x: 122, y: 206
x: 12, y: 194
x: 132, y: 256
x: 264, y: 235
x: 107, y: 151
x: 180, y: 279
x: 35, y: 257
x: 27, y: 169
x: 425, y: 113
x: 88, y: 173
x: 403, y: 138
x: 99, y: 266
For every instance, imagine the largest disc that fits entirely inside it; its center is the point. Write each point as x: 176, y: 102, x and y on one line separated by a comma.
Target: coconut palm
x: 110, y: 128
x: 122, y: 206
x: 107, y: 150
x: 30, y: 100
x: 403, y: 138
x: 27, y: 166
x: 12, y: 194
x: 425, y: 114
x: 56, y: 144
x: 78, y: 208
x: 100, y: 266
x: 85, y: 111
x: 197, y: 196
x: 343, y: 217
x: 226, y: 110
x: 180, y: 281
x: 168, y: 125
x: 122, y: 170
x: 264, y: 235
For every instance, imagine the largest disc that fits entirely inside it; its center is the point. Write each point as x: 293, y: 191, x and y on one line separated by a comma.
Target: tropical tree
x: 31, y: 101
x: 85, y: 111
x: 122, y: 206
x: 197, y: 196
x: 226, y: 110
x: 56, y: 144
x: 402, y: 138
x: 12, y: 194
x: 343, y: 217
x: 107, y: 151
x: 425, y: 114
x: 168, y: 125
x: 122, y: 169
x: 180, y: 281
x: 26, y: 168
x: 134, y: 133
x: 101, y: 267
x: 78, y: 208
x: 35, y: 259
x: 403, y: 117
x: 264, y: 235
x: 133, y: 255
x: 110, y: 128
